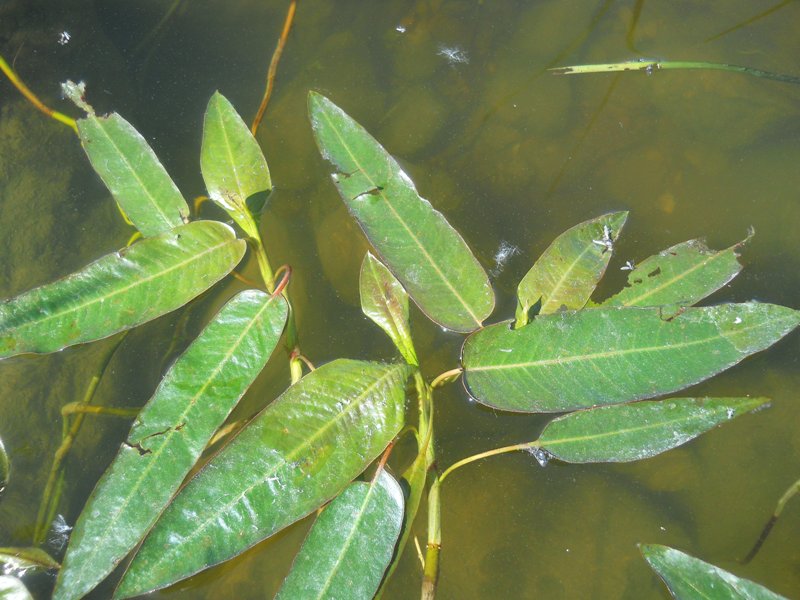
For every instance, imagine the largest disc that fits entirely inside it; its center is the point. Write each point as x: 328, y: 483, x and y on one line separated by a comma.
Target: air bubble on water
x: 542, y: 456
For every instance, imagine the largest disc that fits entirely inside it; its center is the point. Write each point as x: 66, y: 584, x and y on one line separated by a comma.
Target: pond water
x: 513, y: 155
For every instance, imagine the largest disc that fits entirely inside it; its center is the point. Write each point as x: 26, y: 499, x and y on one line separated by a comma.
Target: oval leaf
x: 629, y: 432
x: 416, y: 242
x: 683, y: 274
x: 347, y: 550
x: 120, y: 290
x: 11, y: 588
x: 385, y: 301
x: 567, y: 273
x: 24, y: 559
x: 591, y: 357
x: 191, y: 402
x: 298, y: 453
x: 234, y: 168
x: 132, y: 173
x: 689, y: 578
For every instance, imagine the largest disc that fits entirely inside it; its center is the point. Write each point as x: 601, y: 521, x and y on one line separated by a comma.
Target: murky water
x: 513, y: 155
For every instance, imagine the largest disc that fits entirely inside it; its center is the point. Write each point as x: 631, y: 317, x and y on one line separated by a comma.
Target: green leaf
x: 568, y: 271
x: 23, y: 559
x: 298, y: 453
x: 234, y: 168
x: 385, y: 301
x: 191, y: 402
x: 346, y: 552
x: 12, y: 588
x: 416, y: 242
x: 639, y: 430
x: 683, y: 274
x: 689, y: 578
x: 592, y: 357
x: 5, y: 468
x: 132, y: 173
x: 120, y: 290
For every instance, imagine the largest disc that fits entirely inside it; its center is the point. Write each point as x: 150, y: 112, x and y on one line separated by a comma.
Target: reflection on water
x: 513, y: 156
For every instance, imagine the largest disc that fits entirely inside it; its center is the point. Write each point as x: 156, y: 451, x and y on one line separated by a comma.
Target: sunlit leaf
x: 601, y: 356
x: 639, y: 430
x: 689, y: 578
x: 234, y: 168
x: 298, y: 453
x: 428, y: 256
x: 385, y: 301
x: 12, y: 588
x: 120, y: 290
x: 132, y: 173
x: 23, y: 559
x: 193, y: 399
x: 683, y: 274
x: 567, y: 273
x: 346, y: 552
x: 5, y: 468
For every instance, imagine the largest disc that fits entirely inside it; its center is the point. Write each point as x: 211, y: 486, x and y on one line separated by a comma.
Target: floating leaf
x: 639, y: 430
x: 120, y: 290
x: 191, y: 402
x: 683, y: 274
x: 298, y: 453
x: 347, y: 550
x: 591, y: 357
x: 23, y: 559
x: 385, y: 301
x: 689, y: 578
x: 568, y: 271
x: 416, y: 242
x: 132, y: 173
x: 234, y: 168
x: 12, y: 588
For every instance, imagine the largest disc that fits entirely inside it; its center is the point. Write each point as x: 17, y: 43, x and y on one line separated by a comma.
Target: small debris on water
x: 453, y: 54
x: 541, y: 455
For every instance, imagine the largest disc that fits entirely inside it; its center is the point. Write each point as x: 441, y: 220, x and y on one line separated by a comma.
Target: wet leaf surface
x: 23, y: 559
x: 193, y: 399
x: 120, y: 290
x: 593, y: 357
x: 690, y: 578
x: 12, y: 588
x: 298, y: 453
x: 428, y: 257
x: 350, y: 545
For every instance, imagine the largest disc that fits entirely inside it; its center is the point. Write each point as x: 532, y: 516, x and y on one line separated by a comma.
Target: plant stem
x: 787, y: 495
x: 470, y: 459
x: 430, y: 574
x: 446, y: 377
x: 33, y: 99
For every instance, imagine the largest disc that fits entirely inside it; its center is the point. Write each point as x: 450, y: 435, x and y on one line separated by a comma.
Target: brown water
x: 513, y: 156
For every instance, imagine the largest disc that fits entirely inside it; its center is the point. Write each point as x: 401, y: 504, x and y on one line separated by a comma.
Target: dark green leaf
x: 133, y: 174
x: 23, y: 559
x: 350, y: 544
x: 639, y: 430
x: 385, y: 301
x: 120, y: 290
x: 689, y: 578
x: 234, y: 168
x: 416, y: 242
x: 568, y: 271
x: 683, y: 274
x: 298, y: 453
x: 591, y: 357
x: 12, y: 588
x: 191, y: 402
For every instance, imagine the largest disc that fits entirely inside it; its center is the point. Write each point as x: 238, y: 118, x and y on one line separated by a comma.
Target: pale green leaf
x: 11, y: 588
x: 120, y: 290
x: 23, y: 559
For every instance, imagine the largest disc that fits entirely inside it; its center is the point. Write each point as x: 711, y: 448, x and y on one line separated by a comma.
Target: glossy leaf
x: 567, y: 273
x: 347, y: 550
x: 24, y: 559
x: 233, y: 166
x: 120, y: 290
x: 683, y: 274
x: 428, y: 256
x: 12, y: 588
x: 592, y: 357
x: 132, y: 173
x: 628, y: 432
x: 193, y: 399
x: 385, y: 301
x: 690, y: 578
x: 298, y: 453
